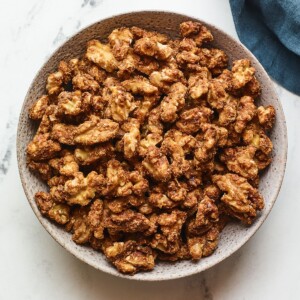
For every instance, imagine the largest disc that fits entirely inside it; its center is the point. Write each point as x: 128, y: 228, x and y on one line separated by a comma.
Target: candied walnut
x: 154, y: 121
x: 140, y: 184
x: 79, y: 225
x: 147, y: 65
x: 185, y: 141
x: 128, y: 65
x: 131, y: 138
x: 95, y: 243
x: 242, y: 73
x: 49, y: 118
x: 143, y: 109
x: 177, y: 191
x: 225, y: 78
x: 38, y: 109
x: 139, y: 85
x: 254, y: 135
x: 79, y: 190
x: 240, y: 160
x: 187, y: 53
x: 88, y: 155
x: 191, y: 200
x: 157, y: 164
x: 207, y: 212
x: 56, y: 80
x: 228, y: 113
x: 266, y: 116
x: 111, y: 81
x: 146, y: 209
x: 42, y: 147
x: 234, y: 138
x: 217, y: 96
x: 206, y: 168
x: 219, y: 167
x: 120, y: 40
x: 129, y: 257
x: 57, y: 180
x: 207, y: 142
x: 165, y: 78
x: 66, y: 165
x: 140, y: 33
x: 151, y: 139
x: 44, y: 202
x: 54, y: 83
x: 204, y: 245
x: 127, y: 221
x: 98, y: 74
x: 57, y: 189
x: 69, y: 103
x: 224, y: 218
x: 120, y: 102
x: 66, y: 68
x: 151, y: 47
x: 85, y: 82
x: 95, y: 130
x: 190, y: 120
x: 251, y: 88
x: 212, y: 191
x: 42, y: 168
x: 245, y: 113
x: 117, y: 205
x: 160, y: 242
x: 181, y: 254
x: 193, y: 174
x: 262, y: 160
x: 173, y: 102
x: 101, y: 55
x: 97, y: 104
x: 170, y: 225
x: 60, y: 213
x: 198, y: 83
x: 196, y: 31
x: 95, y: 219
x: 161, y: 201
x: 178, y: 145
x: 85, y: 66
x: 117, y: 180
x: 188, y: 45
x: 64, y: 133
x: 242, y: 200
x: 213, y: 59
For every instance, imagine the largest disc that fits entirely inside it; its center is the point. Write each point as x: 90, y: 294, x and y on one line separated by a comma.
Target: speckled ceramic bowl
x: 234, y: 236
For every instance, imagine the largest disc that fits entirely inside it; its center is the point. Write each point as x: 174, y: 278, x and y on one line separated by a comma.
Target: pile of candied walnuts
x: 150, y: 146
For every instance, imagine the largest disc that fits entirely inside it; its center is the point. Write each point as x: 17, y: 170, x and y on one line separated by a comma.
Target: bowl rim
x: 259, y: 221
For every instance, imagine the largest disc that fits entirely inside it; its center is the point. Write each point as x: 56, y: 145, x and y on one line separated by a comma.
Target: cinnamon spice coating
x: 150, y: 146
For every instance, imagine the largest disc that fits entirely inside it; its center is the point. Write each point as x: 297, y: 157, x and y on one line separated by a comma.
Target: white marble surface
x: 34, y: 266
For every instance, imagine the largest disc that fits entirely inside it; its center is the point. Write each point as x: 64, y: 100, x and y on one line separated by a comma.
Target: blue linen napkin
x: 271, y: 30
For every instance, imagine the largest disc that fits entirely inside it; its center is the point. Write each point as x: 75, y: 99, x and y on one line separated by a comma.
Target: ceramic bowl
x: 235, y: 235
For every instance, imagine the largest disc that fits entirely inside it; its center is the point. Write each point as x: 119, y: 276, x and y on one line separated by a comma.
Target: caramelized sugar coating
x: 150, y: 146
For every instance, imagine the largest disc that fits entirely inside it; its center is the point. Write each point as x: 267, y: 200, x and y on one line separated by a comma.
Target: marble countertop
x: 34, y: 266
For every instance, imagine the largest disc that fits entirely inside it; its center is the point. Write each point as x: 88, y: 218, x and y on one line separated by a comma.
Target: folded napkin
x: 271, y: 30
